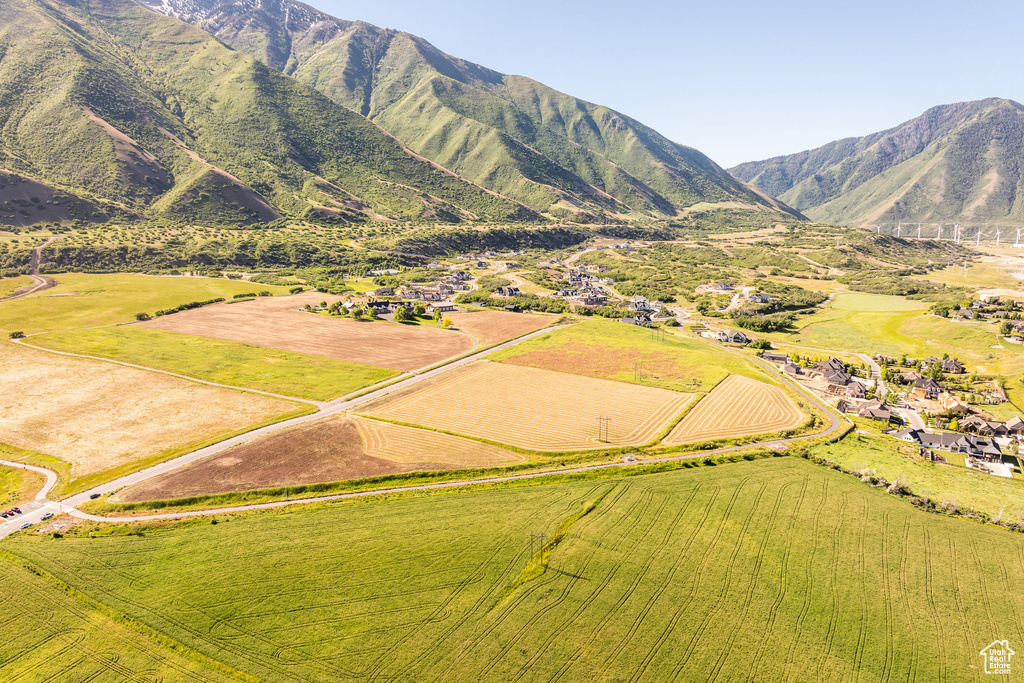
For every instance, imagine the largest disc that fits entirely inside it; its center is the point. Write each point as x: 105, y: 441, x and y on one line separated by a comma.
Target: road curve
x: 39, y: 282
x: 70, y: 505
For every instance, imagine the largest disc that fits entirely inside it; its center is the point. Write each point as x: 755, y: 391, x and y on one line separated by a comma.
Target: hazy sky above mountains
x: 743, y: 80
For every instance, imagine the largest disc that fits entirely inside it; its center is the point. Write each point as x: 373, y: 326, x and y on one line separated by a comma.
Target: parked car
x: 46, y: 516
x: 17, y: 510
x: 94, y: 496
x: 26, y: 525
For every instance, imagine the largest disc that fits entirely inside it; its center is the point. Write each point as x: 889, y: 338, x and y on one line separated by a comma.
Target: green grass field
x: 895, y: 460
x: 51, y: 635
x: 225, y: 362
x: 613, y: 350
x: 774, y: 569
x: 9, y: 285
x: 82, y: 300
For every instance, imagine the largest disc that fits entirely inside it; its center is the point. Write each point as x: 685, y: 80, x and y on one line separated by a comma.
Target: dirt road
x: 39, y: 282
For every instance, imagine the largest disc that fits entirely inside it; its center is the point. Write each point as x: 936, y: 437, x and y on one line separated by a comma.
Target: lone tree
x: 420, y: 309
x: 357, y: 312
x: 446, y: 323
x: 401, y: 314
x: 371, y: 312
x: 1006, y: 329
x: 142, y: 316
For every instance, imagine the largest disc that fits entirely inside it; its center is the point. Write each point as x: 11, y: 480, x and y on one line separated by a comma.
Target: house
x: 760, y: 298
x: 384, y: 291
x: 951, y: 404
x: 967, y: 314
x: 593, y: 300
x: 792, y: 369
x: 976, y: 446
x: 443, y: 307
x: 875, y: 409
x: 841, y: 379
x: 856, y: 390
x: 953, y: 366
x: 640, y: 319
x: 831, y: 365
x: 775, y: 357
x: 926, y: 388
x: 720, y: 287
x: 989, y: 298
x: 732, y: 337
x: 1015, y: 425
x: 480, y: 264
x: 512, y: 308
x: 909, y: 377
x: 507, y: 291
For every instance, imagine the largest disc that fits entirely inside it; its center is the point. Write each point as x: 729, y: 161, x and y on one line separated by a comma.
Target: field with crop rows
x: 768, y: 570
x: 420, y: 446
x: 52, y: 636
x: 531, y: 408
x: 739, y: 406
x: 274, y: 322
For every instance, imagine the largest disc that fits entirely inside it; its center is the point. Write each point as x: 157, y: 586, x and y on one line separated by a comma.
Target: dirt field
x: 332, y: 449
x: 530, y: 408
x: 272, y: 322
x: 737, y: 407
x: 97, y: 416
x: 491, y: 327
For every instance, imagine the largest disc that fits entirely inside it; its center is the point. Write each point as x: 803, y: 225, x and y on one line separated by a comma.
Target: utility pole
x: 1017, y: 243
x: 978, y: 242
x: 603, y: 424
x: 539, y: 537
x: 940, y: 233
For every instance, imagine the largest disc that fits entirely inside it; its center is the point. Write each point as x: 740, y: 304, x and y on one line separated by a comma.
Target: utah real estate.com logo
x: 997, y: 657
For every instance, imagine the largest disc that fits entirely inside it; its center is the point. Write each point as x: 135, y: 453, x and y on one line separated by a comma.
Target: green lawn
x: 82, y: 300
x: 770, y: 570
x: 893, y: 459
x: 614, y: 350
x: 9, y: 285
x: 225, y: 362
x: 860, y: 302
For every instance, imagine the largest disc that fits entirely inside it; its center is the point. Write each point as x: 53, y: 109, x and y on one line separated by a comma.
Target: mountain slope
x: 960, y: 162
x: 517, y: 137
x: 124, y: 112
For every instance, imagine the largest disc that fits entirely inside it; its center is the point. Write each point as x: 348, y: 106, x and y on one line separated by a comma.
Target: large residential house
x: 926, y: 388
x: 875, y: 409
x: 976, y: 446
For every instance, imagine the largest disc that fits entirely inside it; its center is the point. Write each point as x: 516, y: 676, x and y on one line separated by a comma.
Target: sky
x: 741, y: 80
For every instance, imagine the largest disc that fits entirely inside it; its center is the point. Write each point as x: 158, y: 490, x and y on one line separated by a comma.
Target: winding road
x: 34, y: 512
x: 39, y: 282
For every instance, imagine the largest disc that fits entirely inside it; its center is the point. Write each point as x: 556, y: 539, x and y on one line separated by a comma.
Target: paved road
x: 70, y: 505
x: 876, y: 374
x: 329, y: 408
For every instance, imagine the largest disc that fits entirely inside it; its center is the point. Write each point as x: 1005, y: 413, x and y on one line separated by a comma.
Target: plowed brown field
x: 530, y: 408
x: 273, y: 322
x: 739, y: 406
x: 332, y: 449
x: 491, y: 327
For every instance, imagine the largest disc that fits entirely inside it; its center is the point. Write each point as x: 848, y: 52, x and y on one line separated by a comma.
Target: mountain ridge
x: 552, y: 152
x: 959, y: 162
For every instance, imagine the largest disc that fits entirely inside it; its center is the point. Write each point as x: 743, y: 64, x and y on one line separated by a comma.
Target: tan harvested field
x: 98, y: 416
x: 491, y: 327
x: 739, y: 406
x: 531, y: 408
x: 332, y: 449
x: 402, y: 444
x: 273, y: 322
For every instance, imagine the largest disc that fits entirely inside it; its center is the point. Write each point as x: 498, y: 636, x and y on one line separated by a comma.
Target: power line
x: 540, y: 538
x: 603, y: 426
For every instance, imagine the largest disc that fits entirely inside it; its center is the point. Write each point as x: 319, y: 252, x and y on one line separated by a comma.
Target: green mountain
x: 552, y: 152
x: 958, y: 162
x: 108, y: 109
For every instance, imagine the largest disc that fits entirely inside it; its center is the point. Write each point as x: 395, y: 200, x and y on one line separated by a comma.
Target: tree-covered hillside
x: 552, y: 152
x: 960, y: 162
x: 110, y: 110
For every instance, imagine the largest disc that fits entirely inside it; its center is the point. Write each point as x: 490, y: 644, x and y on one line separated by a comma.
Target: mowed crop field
x: 530, y: 408
x: 331, y: 449
x: 99, y: 416
x: 273, y: 322
x: 769, y: 570
x: 221, y: 361
x: 739, y: 406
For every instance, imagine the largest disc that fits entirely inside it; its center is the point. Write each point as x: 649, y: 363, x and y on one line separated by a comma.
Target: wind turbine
x: 997, y: 237
x: 898, y: 228
x: 940, y: 233
x: 919, y: 230
x: 1017, y: 243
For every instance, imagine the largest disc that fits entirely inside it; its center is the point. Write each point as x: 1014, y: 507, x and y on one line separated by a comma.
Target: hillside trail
x: 39, y: 282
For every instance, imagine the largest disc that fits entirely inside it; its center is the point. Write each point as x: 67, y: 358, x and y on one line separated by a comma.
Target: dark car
x: 17, y: 510
x: 94, y: 496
